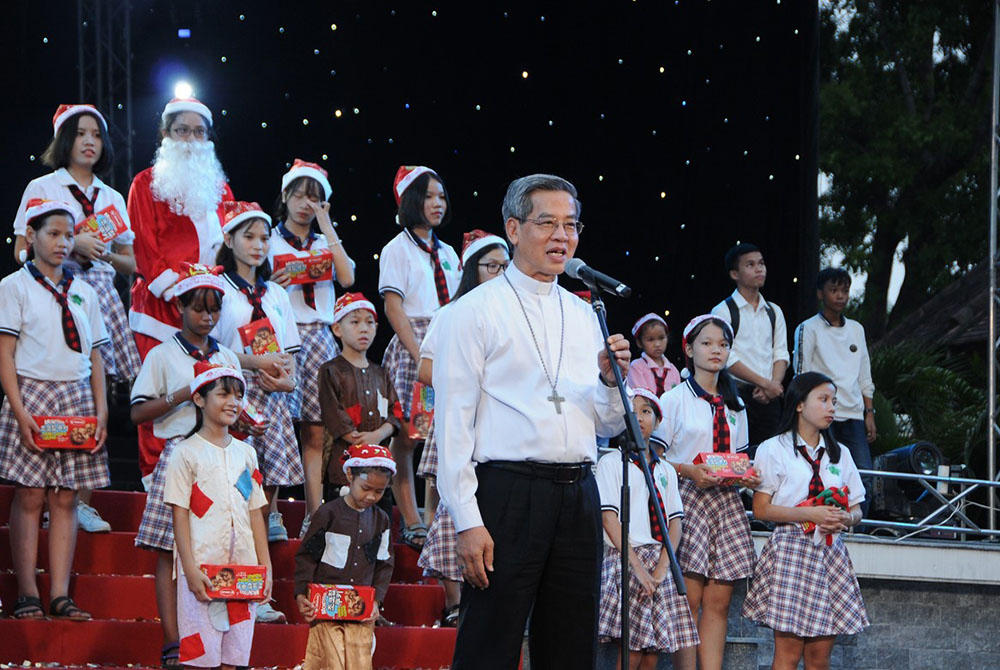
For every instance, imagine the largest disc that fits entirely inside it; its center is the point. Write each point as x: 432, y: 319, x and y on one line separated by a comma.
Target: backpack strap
x: 734, y: 315
x: 771, y: 316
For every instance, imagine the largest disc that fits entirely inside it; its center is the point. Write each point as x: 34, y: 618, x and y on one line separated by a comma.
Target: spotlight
x: 903, y: 499
x: 183, y: 89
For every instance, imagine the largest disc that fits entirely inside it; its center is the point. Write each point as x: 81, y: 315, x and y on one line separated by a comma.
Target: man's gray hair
x: 517, y: 202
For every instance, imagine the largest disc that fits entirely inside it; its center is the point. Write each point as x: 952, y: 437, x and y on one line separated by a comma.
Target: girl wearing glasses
x: 484, y: 257
x: 418, y: 274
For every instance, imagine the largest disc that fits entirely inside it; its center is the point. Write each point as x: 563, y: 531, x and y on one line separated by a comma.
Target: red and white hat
x: 404, y: 177
x: 37, y: 207
x: 698, y: 320
x: 301, y: 168
x: 178, y: 105
x: 651, y: 397
x: 368, y: 456
x: 348, y: 302
x: 474, y: 240
x: 646, y: 319
x: 237, y: 211
x: 206, y: 371
x: 195, y: 276
x: 65, y: 111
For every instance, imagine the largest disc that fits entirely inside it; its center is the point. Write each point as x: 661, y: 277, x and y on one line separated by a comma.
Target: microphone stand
x: 634, y: 443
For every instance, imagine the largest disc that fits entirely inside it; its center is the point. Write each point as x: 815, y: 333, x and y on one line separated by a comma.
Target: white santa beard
x: 188, y: 177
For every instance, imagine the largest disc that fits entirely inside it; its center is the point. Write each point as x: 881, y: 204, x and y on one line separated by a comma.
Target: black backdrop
x: 687, y: 126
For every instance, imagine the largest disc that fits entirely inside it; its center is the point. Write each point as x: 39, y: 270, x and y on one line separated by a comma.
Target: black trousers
x: 762, y: 418
x: 546, y: 563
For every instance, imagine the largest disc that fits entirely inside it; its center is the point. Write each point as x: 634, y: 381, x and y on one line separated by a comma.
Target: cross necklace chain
x: 555, y: 398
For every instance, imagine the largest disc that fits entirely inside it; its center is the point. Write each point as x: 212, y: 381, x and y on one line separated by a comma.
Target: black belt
x: 559, y: 473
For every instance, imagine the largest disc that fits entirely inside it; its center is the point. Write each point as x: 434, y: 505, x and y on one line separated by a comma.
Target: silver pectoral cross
x: 556, y: 400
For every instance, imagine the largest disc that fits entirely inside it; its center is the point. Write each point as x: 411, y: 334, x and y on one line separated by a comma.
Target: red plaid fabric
x: 816, y: 483
x: 86, y: 203
x: 61, y: 295
x: 277, y: 449
x: 254, y: 294
x: 716, y: 542
x: 660, y: 379
x: 308, y: 290
x: 156, y: 530
x: 654, y: 499
x: 440, y: 283
x: 439, y: 557
x: 720, y: 428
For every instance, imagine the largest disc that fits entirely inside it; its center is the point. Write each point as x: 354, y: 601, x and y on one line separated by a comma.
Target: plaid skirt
x: 716, y: 542
x: 121, y: 358
x: 400, y: 365
x: 803, y: 589
x: 156, y: 530
x: 318, y: 347
x: 439, y: 557
x: 661, y: 623
x: 428, y: 465
x: 63, y: 468
x: 277, y: 449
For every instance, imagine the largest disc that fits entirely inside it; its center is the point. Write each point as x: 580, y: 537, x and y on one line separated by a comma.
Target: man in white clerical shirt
x: 522, y: 388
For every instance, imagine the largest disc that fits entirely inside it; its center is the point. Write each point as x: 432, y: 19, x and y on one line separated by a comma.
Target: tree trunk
x: 877, y: 286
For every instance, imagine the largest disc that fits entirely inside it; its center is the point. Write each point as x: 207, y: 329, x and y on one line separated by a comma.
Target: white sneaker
x: 276, y: 528
x: 267, y: 614
x: 89, y: 519
x: 305, y: 526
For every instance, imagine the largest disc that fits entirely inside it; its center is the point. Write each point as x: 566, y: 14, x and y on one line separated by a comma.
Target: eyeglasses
x: 183, y: 131
x: 494, y: 268
x: 548, y: 226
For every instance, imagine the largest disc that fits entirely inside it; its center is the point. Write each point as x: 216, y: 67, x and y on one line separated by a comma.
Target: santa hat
x: 66, y: 111
x: 348, y: 302
x: 178, y: 105
x: 368, y: 456
x: 405, y: 176
x: 301, y: 168
x: 651, y: 397
x: 37, y: 207
x: 237, y: 211
x: 206, y: 372
x: 646, y: 319
x: 475, y: 240
x: 196, y: 275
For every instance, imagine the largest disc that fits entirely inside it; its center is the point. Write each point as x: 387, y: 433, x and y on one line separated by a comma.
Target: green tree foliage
x: 904, y: 135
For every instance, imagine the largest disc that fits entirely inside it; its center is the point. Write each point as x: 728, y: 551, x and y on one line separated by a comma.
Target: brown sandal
x: 63, y: 607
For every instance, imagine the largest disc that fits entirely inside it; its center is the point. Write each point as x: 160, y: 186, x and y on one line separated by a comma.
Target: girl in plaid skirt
x: 51, y: 331
x: 660, y: 618
x: 804, y: 586
x: 705, y: 414
x: 484, y: 257
x: 418, y: 274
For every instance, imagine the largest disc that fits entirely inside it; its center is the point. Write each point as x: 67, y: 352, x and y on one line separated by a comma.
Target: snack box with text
x: 341, y: 602
x: 107, y: 224
x: 258, y: 338
x: 317, y: 266
x: 422, y: 411
x: 251, y: 416
x: 728, y: 466
x: 66, y: 432
x: 235, y: 582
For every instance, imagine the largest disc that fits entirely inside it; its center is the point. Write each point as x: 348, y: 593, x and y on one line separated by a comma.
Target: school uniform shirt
x: 324, y: 293
x: 164, y: 239
x: 785, y: 475
x: 644, y: 371
x: 221, y: 487
x: 407, y: 270
x: 609, y: 485
x: 491, y: 394
x: 29, y: 312
x: 839, y: 352
x: 354, y: 398
x: 168, y: 367
x: 236, y: 312
x: 345, y: 546
x: 686, y: 427
x: 432, y: 338
x: 754, y: 345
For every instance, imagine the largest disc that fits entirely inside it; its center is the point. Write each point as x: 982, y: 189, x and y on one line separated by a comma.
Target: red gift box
x: 248, y: 417
x: 726, y: 465
x: 66, y: 432
x: 235, y: 582
x: 338, y: 602
x: 421, y: 411
x: 107, y: 224
x: 258, y: 338
x: 316, y: 267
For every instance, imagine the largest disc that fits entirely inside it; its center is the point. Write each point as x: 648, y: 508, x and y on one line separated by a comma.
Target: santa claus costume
x: 176, y: 212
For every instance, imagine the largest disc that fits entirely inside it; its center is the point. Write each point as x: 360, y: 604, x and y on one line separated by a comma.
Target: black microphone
x: 577, y: 269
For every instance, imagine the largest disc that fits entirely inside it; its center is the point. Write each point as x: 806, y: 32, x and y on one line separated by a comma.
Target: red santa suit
x: 163, y: 240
